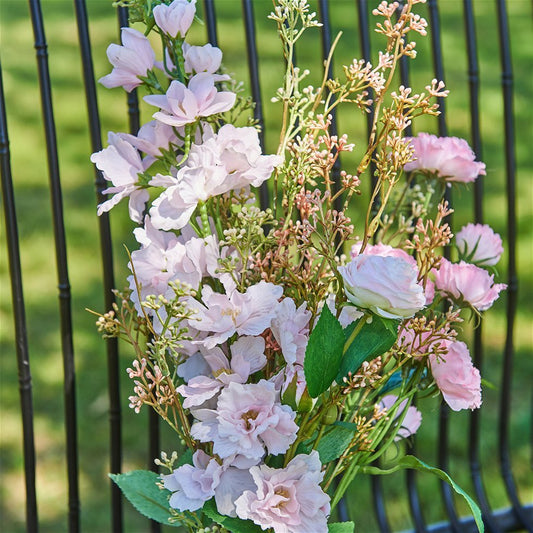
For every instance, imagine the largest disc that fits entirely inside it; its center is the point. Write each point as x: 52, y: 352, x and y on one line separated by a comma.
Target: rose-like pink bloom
x: 248, y: 420
x: 222, y: 315
x: 288, y: 500
x: 468, y: 284
x: 152, y: 138
x: 290, y: 328
x: 192, y: 485
x: 449, y: 158
x: 477, y: 243
x: 176, y: 18
x: 385, y: 250
x: 205, y: 58
x: 386, y: 286
x: 411, y: 420
x: 457, y: 378
x: 183, y: 105
x: 135, y: 58
x: 121, y: 164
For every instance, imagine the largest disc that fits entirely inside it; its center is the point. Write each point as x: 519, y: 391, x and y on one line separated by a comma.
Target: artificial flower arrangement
x: 284, y: 367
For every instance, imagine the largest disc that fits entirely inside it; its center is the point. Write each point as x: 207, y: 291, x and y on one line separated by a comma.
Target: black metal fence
x: 512, y: 510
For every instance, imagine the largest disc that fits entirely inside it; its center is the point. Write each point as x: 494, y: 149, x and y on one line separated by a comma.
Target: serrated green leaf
x: 335, y: 441
x: 341, y: 527
x: 374, y: 339
x: 324, y: 353
x: 139, y: 487
x: 235, y: 525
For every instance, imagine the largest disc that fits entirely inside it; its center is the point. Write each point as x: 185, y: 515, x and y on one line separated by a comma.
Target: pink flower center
x: 249, y: 415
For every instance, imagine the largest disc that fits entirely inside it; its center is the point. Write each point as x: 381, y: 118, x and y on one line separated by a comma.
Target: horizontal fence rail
x: 241, y: 25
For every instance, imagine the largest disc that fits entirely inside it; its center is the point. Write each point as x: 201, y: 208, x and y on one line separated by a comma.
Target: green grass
x: 37, y: 252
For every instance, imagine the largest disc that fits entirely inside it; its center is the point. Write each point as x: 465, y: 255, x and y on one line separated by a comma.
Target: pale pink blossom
x: 248, y: 313
x: 183, y: 105
x: 387, y: 286
x: 175, y: 19
x: 192, y: 485
x: 247, y: 357
x: 249, y: 420
x: 135, y: 58
x: 385, y: 250
x: 222, y: 162
x: 290, y: 327
x: 467, y: 284
x: 205, y: 58
x: 121, y: 164
x: 288, y: 500
x: 456, y: 377
x: 152, y: 138
x: 411, y: 420
x: 233, y: 482
x: 449, y: 158
x: 477, y: 243
x: 164, y: 257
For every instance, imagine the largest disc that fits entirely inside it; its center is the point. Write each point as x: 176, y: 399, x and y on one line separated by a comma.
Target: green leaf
x: 335, y: 441
x: 139, y: 487
x: 235, y: 525
x: 374, y: 339
x: 341, y: 527
x: 410, y: 461
x: 324, y: 353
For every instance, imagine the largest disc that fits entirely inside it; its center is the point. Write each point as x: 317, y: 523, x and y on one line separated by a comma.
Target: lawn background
x: 37, y: 253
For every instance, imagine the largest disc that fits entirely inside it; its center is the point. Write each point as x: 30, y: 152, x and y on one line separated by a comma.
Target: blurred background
x: 38, y: 260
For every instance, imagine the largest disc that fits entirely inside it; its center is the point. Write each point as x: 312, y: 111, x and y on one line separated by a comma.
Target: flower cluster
x: 281, y: 364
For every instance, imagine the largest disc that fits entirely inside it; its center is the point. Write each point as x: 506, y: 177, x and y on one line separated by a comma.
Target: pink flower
x: 247, y: 357
x: 477, y: 243
x: 135, y: 58
x: 247, y: 421
x: 449, y: 158
x: 152, y: 138
x: 411, y: 420
x: 176, y: 18
x: 384, y: 250
x: 385, y: 285
x: 205, y: 58
x: 290, y: 328
x: 288, y: 500
x: 121, y: 164
x: 183, y: 105
x: 248, y: 313
x: 457, y: 378
x: 192, y: 485
x: 468, y: 284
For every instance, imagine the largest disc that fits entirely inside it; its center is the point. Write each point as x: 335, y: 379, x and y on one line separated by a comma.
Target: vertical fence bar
x: 253, y: 70
x: 19, y: 316
x: 115, y: 421
x: 61, y: 265
x: 444, y: 413
x: 475, y: 416
x: 210, y: 21
x: 512, y: 289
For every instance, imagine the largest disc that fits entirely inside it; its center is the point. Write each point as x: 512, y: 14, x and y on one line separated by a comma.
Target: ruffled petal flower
x: 288, y: 500
x: 450, y: 158
x: 478, y: 244
x: 387, y: 286
x: 456, y: 377
x: 135, y: 58
x: 467, y: 283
